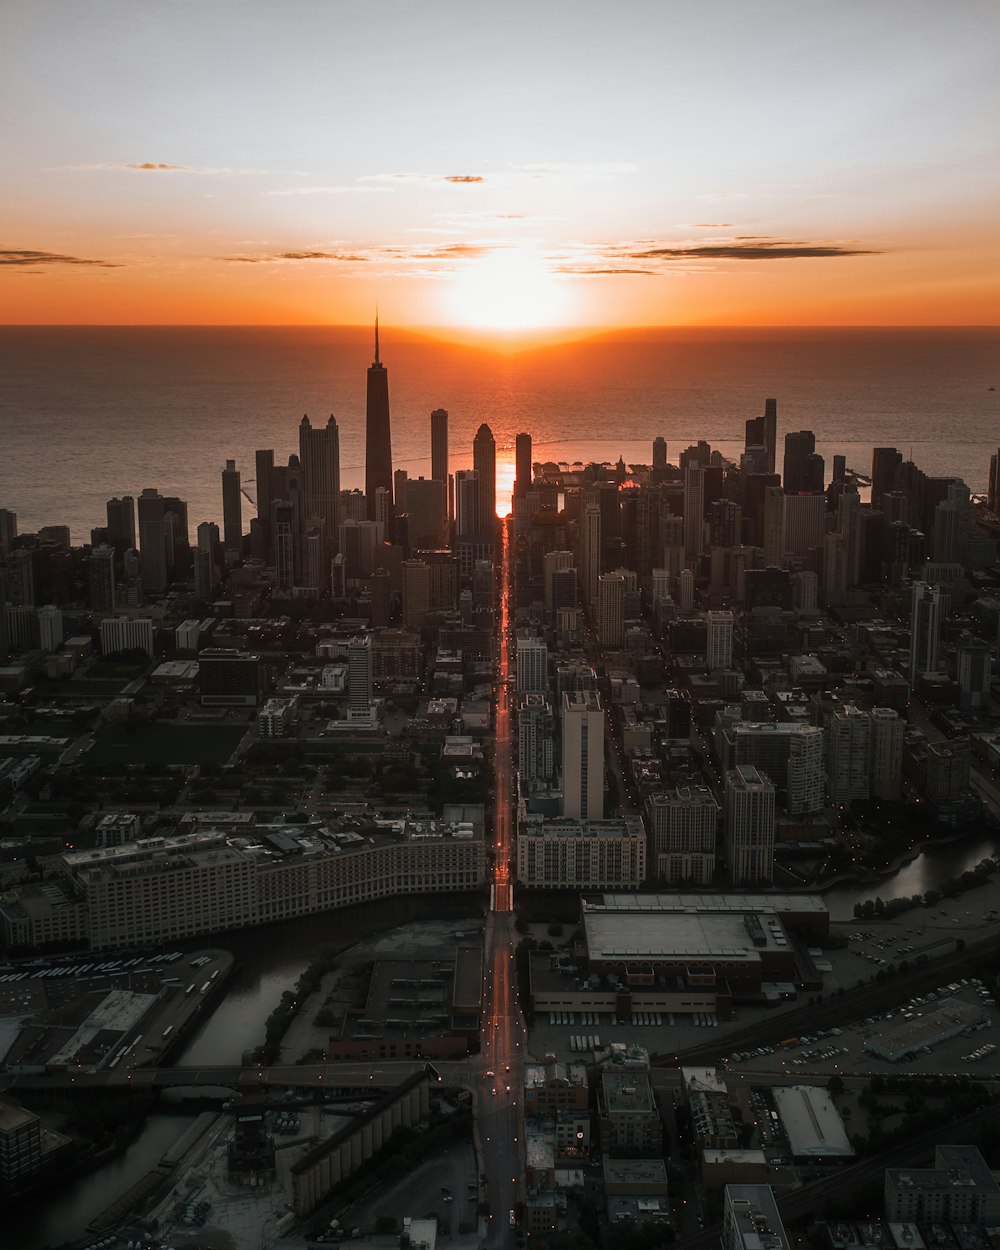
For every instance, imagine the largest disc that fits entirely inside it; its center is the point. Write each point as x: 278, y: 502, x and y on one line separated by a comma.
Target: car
x: 506, y: 1067
x: 490, y: 1072
x: 493, y: 1090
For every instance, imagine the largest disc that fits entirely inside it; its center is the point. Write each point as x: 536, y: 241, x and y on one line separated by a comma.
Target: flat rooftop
x: 678, y: 936
x: 731, y: 902
x: 811, y: 1122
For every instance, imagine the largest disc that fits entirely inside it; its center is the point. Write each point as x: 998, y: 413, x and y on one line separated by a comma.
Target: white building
x: 125, y: 633
x: 186, y: 635
x: 684, y: 823
x: 582, y: 855
x: 582, y: 755
x: 749, y: 824
x: 50, y: 627
x: 278, y: 718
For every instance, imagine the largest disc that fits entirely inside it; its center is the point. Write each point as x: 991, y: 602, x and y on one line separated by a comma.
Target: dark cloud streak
x: 24, y: 257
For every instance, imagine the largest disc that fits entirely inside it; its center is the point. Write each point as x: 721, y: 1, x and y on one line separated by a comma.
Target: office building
x: 360, y: 673
x: 232, y: 512
x: 484, y: 461
x: 20, y: 1143
x: 121, y: 523
x: 973, y: 672
x: 611, y: 609
x: 50, y: 627
x: 630, y: 1118
x: 582, y: 854
x: 319, y: 460
x: 427, y: 509
x: 153, y: 541
x: 522, y: 464
x: 536, y: 733
x: 659, y: 454
x: 582, y: 755
x: 532, y: 663
x: 205, y: 566
x: 930, y: 605
x: 123, y: 633
x: 466, y: 503
x: 683, y: 822
x: 750, y: 812
x: 439, y: 447
x: 552, y: 562
x: 804, y: 524
x: 378, y: 435
x: 796, y: 475
x: 773, y: 537
x: 849, y: 753
x: 719, y: 640
x: 887, y: 732
x: 590, y: 552
x: 101, y: 578
x: 694, y: 511
x: 685, y: 590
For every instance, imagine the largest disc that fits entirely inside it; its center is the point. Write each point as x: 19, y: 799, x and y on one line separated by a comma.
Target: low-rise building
x: 582, y: 854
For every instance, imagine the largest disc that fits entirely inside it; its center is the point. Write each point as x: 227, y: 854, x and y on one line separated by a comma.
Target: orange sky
x: 572, y: 164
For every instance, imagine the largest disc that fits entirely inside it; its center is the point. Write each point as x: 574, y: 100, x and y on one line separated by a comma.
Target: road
x: 503, y: 1033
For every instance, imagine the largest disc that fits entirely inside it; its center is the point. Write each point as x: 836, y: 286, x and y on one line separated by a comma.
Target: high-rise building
x: 427, y: 509
x: 930, y: 605
x: 359, y: 675
x: 535, y: 740
x: 750, y: 809
x: 685, y: 590
x: 849, y: 753
x: 552, y: 561
x: 319, y: 457
x: 124, y: 633
x: 888, y: 729
x: 804, y: 523
x: 466, y: 503
x: 684, y: 822
x: 522, y: 464
x: 611, y: 609
x: 582, y: 755
x: 439, y: 456
x: 101, y: 578
x: 378, y: 436
x: 694, y: 510
x: 973, y: 672
x: 771, y: 431
x: 590, y: 552
x: 885, y: 462
x: 532, y: 663
x: 484, y: 461
x: 659, y: 454
x: 50, y: 627
x: 773, y: 541
x: 719, y: 640
x: 153, y: 541
x: 232, y: 511
x: 121, y: 523
x: 205, y: 569
x: 795, y: 475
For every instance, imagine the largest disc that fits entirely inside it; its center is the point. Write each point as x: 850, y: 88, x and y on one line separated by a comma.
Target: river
x: 270, y: 961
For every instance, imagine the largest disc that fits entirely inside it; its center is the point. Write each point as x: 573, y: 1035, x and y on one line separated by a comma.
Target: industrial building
x: 949, y: 1018
x: 812, y: 1124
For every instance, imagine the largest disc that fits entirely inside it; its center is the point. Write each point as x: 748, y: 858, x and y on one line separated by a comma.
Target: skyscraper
x: 484, y: 461
x: 319, y: 456
x: 378, y: 439
x: 582, y: 755
x: 749, y: 825
x: 611, y: 609
x: 848, y: 765
x: 232, y: 511
x: 771, y: 431
x: 153, y: 541
x: 659, y: 453
x: 931, y: 605
x: 522, y: 464
x: 101, y: 578
x: 121, y: 523
x: 439, y: 456
x: 719, y: 640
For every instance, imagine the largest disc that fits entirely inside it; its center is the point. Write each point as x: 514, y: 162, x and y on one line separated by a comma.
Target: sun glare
x: 510, y: 289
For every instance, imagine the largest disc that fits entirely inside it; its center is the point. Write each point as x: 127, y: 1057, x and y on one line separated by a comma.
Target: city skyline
x: 831, y: 166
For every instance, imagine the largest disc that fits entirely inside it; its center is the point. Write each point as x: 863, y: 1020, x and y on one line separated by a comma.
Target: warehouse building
x: 812, y: 1124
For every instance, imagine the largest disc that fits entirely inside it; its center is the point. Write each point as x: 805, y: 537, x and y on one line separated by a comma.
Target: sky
x: 558, y: 163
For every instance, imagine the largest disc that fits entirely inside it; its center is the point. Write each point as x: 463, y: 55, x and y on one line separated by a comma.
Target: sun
x: 510, y: 289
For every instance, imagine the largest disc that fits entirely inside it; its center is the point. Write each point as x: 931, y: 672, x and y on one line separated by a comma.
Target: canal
x: 271, y: 960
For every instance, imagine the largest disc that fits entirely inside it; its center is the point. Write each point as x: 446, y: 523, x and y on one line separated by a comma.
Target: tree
x: 835, y: 1085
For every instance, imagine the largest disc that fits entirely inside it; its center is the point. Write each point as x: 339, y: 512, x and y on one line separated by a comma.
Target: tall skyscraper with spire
x: 378, y: 440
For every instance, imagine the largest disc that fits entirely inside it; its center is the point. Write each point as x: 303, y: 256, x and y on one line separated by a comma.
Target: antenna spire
x: 376, y: 335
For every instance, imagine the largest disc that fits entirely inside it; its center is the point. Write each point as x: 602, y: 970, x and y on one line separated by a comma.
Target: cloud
x: 160, y: 166
x: 425, y: 178
x: 604, y: 269
x: 272, y: 257
x: 712, y: 225
x: 772, y: 249
x: 26, y: 257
